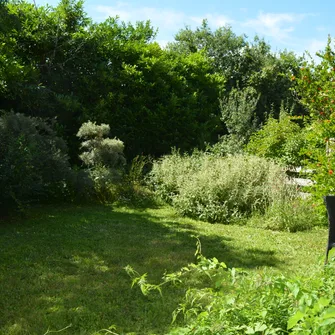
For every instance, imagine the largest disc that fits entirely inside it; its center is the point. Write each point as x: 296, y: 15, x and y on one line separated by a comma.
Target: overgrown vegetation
x: 237, y: 302
x: 229, y: 189
x: 280, y: 139
x: 89, y: 113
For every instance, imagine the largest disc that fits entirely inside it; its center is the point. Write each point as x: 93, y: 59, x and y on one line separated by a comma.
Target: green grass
x: 64, y: 265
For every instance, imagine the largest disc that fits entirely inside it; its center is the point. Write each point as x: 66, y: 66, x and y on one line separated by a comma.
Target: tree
x: 245, y: 64
x: 315, y: 87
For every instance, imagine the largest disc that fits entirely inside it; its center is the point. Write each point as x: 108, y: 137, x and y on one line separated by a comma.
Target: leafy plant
x: 34, y: 165
x: 282, y: 140
x: 104, y: 157
x: 238, y: 112
x: 235, y: 302
x: 98, y: 150
x: 315, y: 86
x: 289, y: 214
x: 219, y: 189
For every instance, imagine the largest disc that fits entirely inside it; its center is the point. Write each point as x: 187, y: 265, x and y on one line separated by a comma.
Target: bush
x: 169, y: 173
x: 100, y: 151
x: 104, y: 159
x: 34, y: 164
x: 238, y: 112
x: 281, y: 140
x: 231, y: 144
x: 243, y: 303
x: 218, y: 189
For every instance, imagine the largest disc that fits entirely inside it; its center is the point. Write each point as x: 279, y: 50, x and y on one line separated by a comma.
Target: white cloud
x: 167, y: 20
x: 160, y: 18
x: 276, y: 25
x: 219, y: 20
x: 279, y: 27
x: 315, y: 46
x: 163, y: 43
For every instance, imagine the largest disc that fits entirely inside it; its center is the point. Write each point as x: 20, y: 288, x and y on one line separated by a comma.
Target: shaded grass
x: 64, y: 265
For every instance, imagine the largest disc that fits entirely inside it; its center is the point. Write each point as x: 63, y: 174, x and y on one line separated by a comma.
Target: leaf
x: 323, y: 302
x: 329, y: 313
x: 293, y: 320
x: 327, y: 322
x: 223, y: 265
x: 250, y: 330
x: 260, y: 327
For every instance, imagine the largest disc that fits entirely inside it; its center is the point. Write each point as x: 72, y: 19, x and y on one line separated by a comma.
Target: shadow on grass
x: 66, y: 267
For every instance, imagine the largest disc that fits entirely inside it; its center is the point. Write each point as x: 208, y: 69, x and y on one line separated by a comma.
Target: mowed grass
x: 65, y: 265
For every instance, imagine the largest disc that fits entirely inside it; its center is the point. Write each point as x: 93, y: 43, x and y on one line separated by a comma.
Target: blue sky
x: 293, y: 25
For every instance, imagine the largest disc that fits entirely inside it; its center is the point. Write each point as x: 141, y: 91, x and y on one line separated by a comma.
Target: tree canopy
x: 56, y: 62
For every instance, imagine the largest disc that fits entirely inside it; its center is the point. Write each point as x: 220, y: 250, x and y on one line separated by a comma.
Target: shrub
x: 231, y: 144
x: 320, y: 159
x: 281, y: 140
x: 170, y: 172
x: 238, y: 112
x: 243, y: 303
x: 100, y: 151
x: 219, y: 189
x: 104, y: 159
x: 34, y: 163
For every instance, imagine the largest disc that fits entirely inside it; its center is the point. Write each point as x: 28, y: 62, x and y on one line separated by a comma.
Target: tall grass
x: 224, y: 189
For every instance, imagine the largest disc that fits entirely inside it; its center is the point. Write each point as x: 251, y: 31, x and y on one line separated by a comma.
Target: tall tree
x: 244, y: 64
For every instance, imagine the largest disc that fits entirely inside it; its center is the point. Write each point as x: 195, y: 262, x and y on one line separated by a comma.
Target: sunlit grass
x: 64, y: 265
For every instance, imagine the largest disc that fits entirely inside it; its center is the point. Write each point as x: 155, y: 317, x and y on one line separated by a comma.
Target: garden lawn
x: 63, y: 266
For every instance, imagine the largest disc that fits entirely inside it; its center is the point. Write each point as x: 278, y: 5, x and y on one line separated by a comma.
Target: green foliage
x: 164, y: 95
x: 291, y: 214
x: 104, y: 157
x: 238, y: 112
x: 56, y: 62
x: 244, y: 64
x: 229, y: 144
x: 34, y: 164
x: 232, y: 301
x: 238, y: 115
x: 315, y: 86
x: 169, y: 173
x: 100, y: 151
x: 219, y: 189
x: 282, y: 140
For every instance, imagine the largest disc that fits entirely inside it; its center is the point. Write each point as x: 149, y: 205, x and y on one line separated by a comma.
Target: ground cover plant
x: 237, y: 302
x: 65, y: 265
